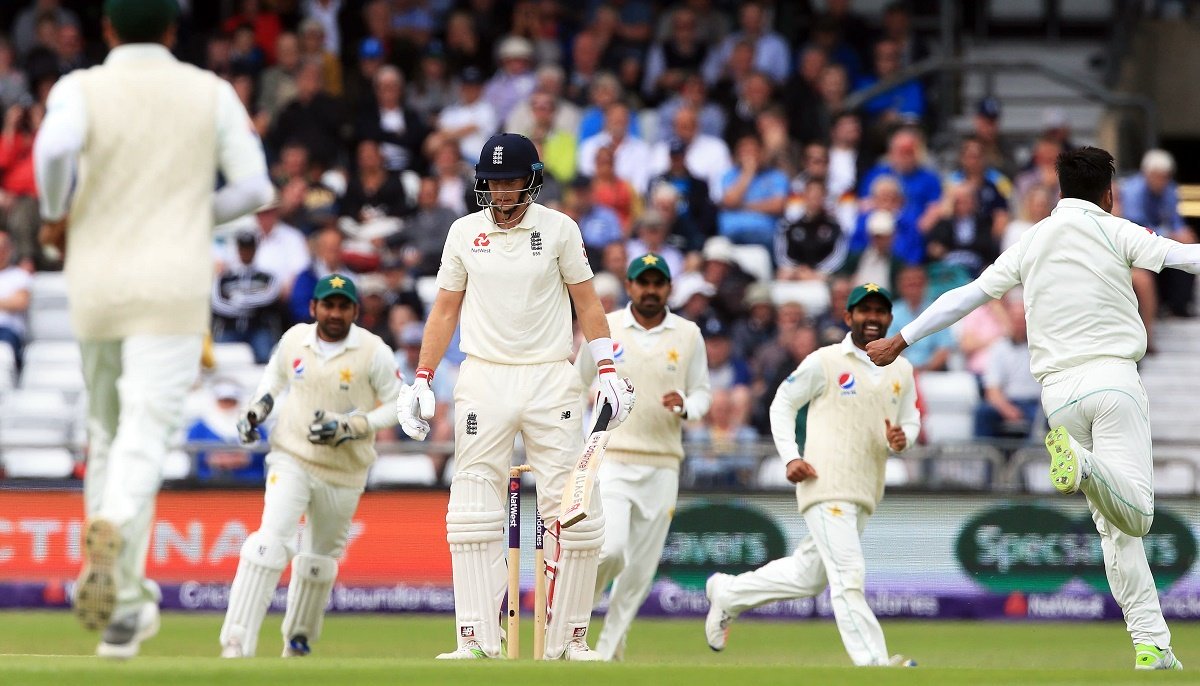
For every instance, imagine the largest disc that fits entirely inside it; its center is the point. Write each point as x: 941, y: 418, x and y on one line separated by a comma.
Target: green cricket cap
x: 335, y: 284
x: 645, y: 263
x: 141, y: 21
x: 860, y: 292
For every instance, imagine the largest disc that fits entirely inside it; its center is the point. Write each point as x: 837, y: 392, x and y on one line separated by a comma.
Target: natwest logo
x: 481, y: 241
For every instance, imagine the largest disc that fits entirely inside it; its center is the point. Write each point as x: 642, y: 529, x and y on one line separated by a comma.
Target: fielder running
x: 133, y: 147
x: 1085, y: 338
x: 856, y: 413
x: 512, y: 270
x: 664, y: 355
x: 342, y: 382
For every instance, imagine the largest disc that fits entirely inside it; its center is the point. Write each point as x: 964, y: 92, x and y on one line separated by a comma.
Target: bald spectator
x: 398, y: 129
x: 514, y: 81
x: 685, y: 232
x: 631, y: 153
x: 772, y: 55
x: 313, y: 118
x: 707, y: 157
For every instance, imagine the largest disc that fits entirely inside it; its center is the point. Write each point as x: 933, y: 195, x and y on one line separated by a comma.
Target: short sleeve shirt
x: 516, y: 309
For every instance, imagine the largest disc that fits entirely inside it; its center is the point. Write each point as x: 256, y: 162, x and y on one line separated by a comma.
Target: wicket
x: 514, y: 570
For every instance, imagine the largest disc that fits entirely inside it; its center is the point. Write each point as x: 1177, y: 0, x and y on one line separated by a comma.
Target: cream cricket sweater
x: 361, y: 376
x: 669, y: 357
x: 849, y: 398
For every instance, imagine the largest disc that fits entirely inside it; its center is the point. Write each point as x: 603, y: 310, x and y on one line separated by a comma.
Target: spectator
x: 18, y: 188
x: 845, y: 162
x: 833, y: 87
x: 413, y: 24
x: 794, y: 343
x: 877, y: 262
x: 977, y: 334
x: 903, y: 102
x: 929, y: 354
x: 1151, y: 199
x: 650, y: 236
x: 815, y: 160
x: 682, y: 232
x: 691, y: 297
x: 848, y: 25
x: 631, y: 154
x: 757, y: 328
x: 754, y: 96
x: 829, y: 37
x: 992, y: 189
x: 693, y: 93
x: 565, y: 114
x: 921, y: 186
x: 752, y: 197
x: 772, y: 55
x: 373, y: 305
x: 456, y: 180
x: 612, y: 191
x: 1041, y: 173
x: 614, y: 260
x: 728, y: 373
x: 326, y: 12
x: 1057, y: 127
x: 886, y: 195
x: 962, y: 238
x: 266, y: 26
x: 728, y: 458
x: 586, y: 51
x: 70, y: 49
x: 282, y: 250
x: 305, y: 202
x: 558, y: 145
x: 312, y: 47
x: 779, y: 150
x: 398, y: 128
x: 425, y: 232
x: 373, y: 192
x: 998, y: 150
x: 326, y: 259
x: 431, y: 92
x: 514, y: 81
x: 540, y: 24
x: 277, y: 85
x: 360, y: 85
x: 14, y: 85
x: 831, y: 326
x: 598, y: 223
x: 706, y: 156
x: 1035, y: 207
x: 245, y: 302
x: 42, y: 59
x: 217, y: 427
x: 669, y: 61
x: 610, y: 292
x: 313, y: 119
x: 809, y: 244
x: 694, y: 205
x: 801, y: 95
x: 897, y: 28
x: 1012, y: 398
x: 245, y: 57
x: 469, y: 121
x: 466, y: 45
x: 721, y: 269
x: 14, y: 300
x: 26, y: 25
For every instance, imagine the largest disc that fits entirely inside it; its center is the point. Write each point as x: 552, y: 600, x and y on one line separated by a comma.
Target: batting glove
x: 617, y: 391
x: 416, y: 405
x: 253, y: 417
x: 331, y: 428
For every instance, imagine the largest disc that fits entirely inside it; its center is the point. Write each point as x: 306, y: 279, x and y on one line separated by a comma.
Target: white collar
x: 138, y: 52
x: 631, y: 323
x: 848, y: 348
x: 352, y: 340
x: 1077, y: 204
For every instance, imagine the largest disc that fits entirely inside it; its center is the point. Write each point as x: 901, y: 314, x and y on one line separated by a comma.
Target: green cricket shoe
x: 1148, y: 656
x: 1066, y: 469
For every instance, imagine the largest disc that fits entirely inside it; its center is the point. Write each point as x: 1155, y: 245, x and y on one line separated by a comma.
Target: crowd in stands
x: 711, y: 132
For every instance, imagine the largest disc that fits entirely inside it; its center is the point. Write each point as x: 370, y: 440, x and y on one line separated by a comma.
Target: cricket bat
x: 577, y: 496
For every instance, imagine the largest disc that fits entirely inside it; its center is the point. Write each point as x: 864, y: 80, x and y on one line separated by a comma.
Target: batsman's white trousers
x: 493, y: 402
x: 291, y: 492
x: 136, y: 390
x: 1104, y: 407
x: 639, y: 501
x: 831, y: 554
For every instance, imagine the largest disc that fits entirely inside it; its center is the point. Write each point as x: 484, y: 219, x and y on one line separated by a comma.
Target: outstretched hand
x: 885, y: 350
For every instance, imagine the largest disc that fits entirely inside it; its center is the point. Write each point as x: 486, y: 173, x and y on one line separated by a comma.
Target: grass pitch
x: 50, y: 648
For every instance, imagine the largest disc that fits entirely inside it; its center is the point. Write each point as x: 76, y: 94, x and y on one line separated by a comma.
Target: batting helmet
x: 508, y: 156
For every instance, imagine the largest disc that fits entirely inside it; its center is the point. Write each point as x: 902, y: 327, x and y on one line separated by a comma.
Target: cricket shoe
x: 901, y: 661
x: 123, y: 637
x: 1149, y: 656
x: 471, y: 650
x: 1066, y: 467
x: 95, y: 595
x: 232, y: 649
x: 716, y: 623
x: 578, y: 651
x: 297, y: 646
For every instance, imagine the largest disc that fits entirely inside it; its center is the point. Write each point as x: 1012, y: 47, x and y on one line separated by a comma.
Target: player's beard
x: 333, y: 330
x: 859, y: 332
x: 649, y: 307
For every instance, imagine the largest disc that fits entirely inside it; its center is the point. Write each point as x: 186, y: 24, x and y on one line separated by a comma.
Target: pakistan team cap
x: 860, y: 292
x: 645, y: 263
x: 336, y: 284
x: 141, y: 21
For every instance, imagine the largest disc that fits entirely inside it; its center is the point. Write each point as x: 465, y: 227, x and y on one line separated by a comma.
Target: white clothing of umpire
x: 1085, y: 338
x: 857, y: 411
x: 342, y: 383
x: 512, y: 271
x: 140, y: 140
x: 664, y: 355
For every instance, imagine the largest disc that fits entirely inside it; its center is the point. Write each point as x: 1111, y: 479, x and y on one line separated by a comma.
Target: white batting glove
x: 331, y: 428
x: 253, y: 417
x: 616, y: 391
x: 416, y: 405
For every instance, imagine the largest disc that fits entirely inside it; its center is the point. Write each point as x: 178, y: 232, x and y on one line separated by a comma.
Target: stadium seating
x: 409, y: 469
x: 950, y: 399
x: 813, y: 296
x: 50, y: 324
x: 38, y: 463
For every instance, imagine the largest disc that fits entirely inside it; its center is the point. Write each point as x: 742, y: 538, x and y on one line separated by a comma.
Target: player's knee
x: 315, y: 568
x: 586, y: 534
x: 475, y: 513
x: 849, y: 579
x: 265, y: 550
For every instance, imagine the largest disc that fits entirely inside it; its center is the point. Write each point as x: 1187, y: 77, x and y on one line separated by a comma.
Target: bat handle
x: 604, y: 417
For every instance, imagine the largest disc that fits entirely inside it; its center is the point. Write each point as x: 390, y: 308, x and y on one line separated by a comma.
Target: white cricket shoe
x: 901, y: 661
x: 471, y: 650
x: 232, y: 649
x: 716, y: 624
x: 578, y: 651
x: 123, y: 637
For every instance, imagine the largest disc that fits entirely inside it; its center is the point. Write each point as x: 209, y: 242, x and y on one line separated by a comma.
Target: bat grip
x: 603, y: 418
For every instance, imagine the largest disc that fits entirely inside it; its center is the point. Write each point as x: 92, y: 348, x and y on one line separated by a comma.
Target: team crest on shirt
x: 535, y: 243
x: 672, y: 360
x: 298, y: 369
x: 846, y: 382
